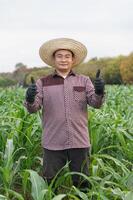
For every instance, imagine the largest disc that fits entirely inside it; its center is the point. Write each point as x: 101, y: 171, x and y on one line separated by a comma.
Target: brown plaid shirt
x: 64, y: 103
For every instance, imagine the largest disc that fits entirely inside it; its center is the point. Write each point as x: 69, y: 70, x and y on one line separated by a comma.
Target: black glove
x: 31, y: 92
x: 99, y: 84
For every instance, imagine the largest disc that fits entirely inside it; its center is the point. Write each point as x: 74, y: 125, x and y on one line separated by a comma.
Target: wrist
x: 99, y: 91
x: 30, y: 99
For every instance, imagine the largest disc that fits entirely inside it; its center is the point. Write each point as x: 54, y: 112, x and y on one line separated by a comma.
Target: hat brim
x: 47, y: 50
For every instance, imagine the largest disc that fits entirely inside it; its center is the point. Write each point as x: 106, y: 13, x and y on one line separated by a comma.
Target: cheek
x: 56, y: 60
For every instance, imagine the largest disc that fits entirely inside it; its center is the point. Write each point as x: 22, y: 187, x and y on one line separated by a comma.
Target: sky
x: 104, y: 26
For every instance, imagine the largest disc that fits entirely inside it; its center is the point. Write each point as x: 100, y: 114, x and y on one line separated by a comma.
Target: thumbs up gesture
x: 31, y: 91
x: 99, y: 84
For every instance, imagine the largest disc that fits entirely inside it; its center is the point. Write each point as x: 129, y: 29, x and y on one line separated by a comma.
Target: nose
x: 63, y: 59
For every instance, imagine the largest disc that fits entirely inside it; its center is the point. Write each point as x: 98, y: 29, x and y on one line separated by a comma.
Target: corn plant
x: 111, y: 167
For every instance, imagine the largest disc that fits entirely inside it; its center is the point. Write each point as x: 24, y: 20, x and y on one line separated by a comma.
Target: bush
x: 126, y: 69
x: 112, y: 71
x: 4, y: 82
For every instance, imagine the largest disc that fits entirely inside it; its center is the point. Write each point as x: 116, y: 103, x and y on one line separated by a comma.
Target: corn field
x: 111, y: 153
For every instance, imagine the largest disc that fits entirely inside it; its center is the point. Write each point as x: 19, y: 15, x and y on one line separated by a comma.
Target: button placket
x: 67, y: 112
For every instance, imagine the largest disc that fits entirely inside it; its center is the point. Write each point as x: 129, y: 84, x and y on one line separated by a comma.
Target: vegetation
x: 111, y: 167
x: 126, y: 69
x: 116, y: 70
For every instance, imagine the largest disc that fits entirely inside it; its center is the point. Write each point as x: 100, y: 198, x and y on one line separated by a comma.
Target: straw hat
x: 47, y: 50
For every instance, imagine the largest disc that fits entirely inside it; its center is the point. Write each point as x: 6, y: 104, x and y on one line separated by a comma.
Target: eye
x: 68, y: 56
x: 58, y: 56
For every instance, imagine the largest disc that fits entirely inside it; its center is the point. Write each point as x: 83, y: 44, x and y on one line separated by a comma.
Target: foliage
x: 111, y: 168
x: 20, y: 72
x: 6, y: 79
x: 126, y: 69
x: 114, y: 70
x: 5, y: 82
x: 109, y: 69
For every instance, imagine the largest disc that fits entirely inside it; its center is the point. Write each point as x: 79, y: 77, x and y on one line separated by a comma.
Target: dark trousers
x: 53, y: 161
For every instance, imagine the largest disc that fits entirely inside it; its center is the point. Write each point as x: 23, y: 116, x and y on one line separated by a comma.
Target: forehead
x: 63, y: 51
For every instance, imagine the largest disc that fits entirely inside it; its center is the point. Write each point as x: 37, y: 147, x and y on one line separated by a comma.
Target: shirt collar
x: 70, y: 73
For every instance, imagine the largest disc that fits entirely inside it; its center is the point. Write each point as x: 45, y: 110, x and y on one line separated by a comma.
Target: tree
x: 20, y: 65
x: 20, y: 72
x: 126, y: 69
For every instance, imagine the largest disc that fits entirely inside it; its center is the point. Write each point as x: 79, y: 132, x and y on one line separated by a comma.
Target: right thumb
x: 32, y: 80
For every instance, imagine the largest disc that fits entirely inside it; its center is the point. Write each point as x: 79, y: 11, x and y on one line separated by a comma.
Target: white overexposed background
x: 104, y: 26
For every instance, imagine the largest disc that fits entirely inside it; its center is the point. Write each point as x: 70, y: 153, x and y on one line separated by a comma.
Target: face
x: 63, y: 60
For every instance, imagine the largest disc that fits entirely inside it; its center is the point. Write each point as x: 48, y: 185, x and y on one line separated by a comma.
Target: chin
x: 61, y: 68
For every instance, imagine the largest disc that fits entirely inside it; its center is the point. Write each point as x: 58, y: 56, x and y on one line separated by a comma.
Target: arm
x: 34, y: 106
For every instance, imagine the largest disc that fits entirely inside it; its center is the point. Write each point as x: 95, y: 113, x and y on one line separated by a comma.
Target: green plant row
x: 111, y: 167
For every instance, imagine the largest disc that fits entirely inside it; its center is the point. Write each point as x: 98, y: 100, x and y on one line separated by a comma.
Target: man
x: 63, y: 97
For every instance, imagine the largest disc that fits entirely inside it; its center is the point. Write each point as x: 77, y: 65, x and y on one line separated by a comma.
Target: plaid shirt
x: 64, y: 103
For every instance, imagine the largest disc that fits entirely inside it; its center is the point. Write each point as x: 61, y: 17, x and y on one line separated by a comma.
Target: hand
x: 99, y: 84
x: 31, y: 91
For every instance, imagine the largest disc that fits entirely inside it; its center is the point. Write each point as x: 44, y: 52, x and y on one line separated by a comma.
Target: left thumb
x: 98, y: 73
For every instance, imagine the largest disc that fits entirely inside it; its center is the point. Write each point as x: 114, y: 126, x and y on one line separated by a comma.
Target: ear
x: 73, y: 59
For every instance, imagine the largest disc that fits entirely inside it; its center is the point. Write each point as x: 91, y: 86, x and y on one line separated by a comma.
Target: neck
x: 63, y: 73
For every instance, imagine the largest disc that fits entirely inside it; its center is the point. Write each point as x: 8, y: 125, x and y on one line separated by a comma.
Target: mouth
x: 64, y: 65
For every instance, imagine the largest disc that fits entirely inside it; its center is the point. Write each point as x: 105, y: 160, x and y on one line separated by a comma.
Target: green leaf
x: 130, y: 182
x: 81, y: 194
x: 94, y: 170
x: 8, y: 150
x: 118, y: 192
x: 3, y: 197
x: 59, y: 197
x: 129, y: 196
x: 38, y: 184
x: 16, y: 194
x: 42, y: 194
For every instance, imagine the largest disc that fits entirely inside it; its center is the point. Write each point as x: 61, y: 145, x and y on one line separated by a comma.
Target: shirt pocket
x: 79, y: 93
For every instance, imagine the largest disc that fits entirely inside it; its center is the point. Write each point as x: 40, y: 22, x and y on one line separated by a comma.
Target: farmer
x: 63, y: 97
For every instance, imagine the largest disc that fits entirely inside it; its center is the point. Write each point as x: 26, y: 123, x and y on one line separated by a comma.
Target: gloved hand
x: 99, y: 84
x: 31, y: 91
